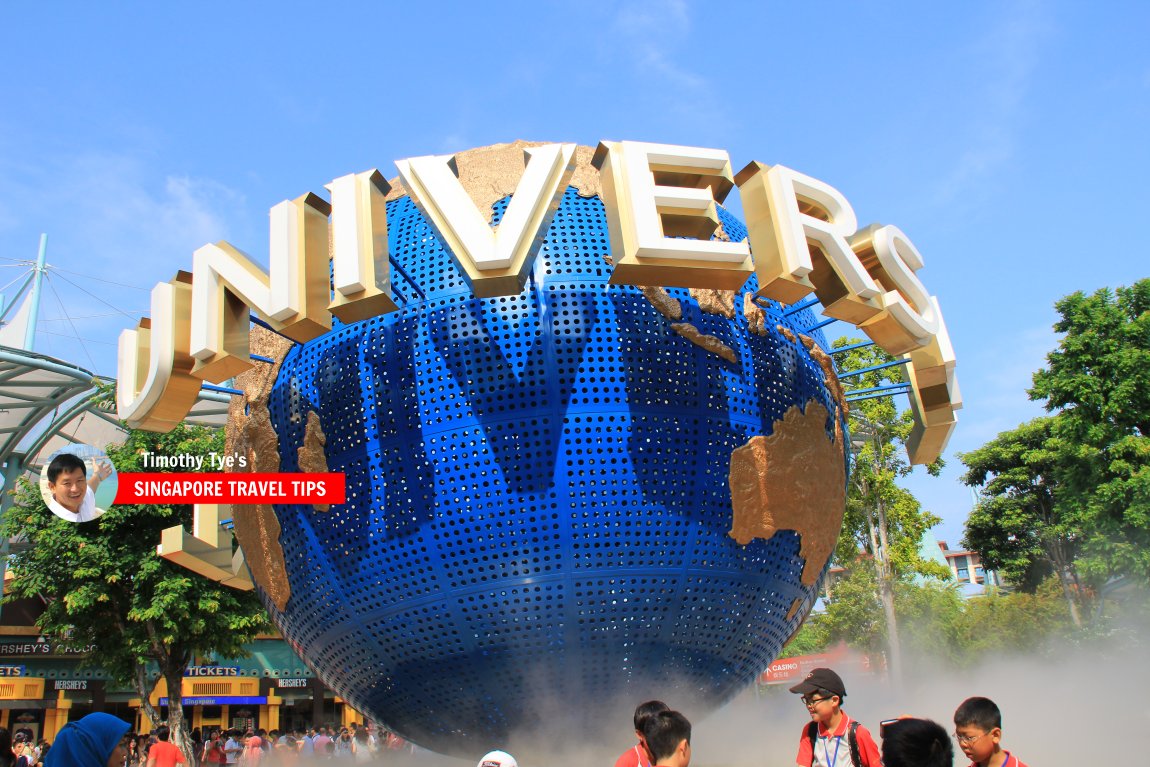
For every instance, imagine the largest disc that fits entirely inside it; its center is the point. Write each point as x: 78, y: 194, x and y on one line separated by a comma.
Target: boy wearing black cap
x: 832, y: 738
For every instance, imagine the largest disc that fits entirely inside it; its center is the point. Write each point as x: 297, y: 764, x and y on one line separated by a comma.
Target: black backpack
x: 852, y: 740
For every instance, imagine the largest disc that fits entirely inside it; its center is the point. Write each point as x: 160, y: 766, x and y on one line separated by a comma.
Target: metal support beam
x: 872, y: 368
x: 37, y: 281
x: 804, y: 304
x: 852, y: 347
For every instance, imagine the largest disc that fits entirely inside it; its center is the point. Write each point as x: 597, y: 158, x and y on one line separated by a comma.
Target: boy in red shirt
x: 638, y: 756
x: 978, y: 728
x: 832, y: 738
x: 163, y: 753
x: 668, y: 738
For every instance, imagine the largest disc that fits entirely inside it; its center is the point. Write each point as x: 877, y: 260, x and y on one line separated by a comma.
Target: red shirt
x: 214, y: 752
x: 633, y: 757
x: 835, y: 747
x: 1011, y: 761
x: 165, y: 754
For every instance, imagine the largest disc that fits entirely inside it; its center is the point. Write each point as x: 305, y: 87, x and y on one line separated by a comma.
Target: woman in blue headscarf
x: 94, y: 741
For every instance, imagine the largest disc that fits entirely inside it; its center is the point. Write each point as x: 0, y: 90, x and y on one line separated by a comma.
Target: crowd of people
x: 102, y: 740
x: 830, y: 739
x: 354, y: 744
x: 21, y: 749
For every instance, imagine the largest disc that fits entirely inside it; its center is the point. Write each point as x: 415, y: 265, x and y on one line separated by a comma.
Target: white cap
x: 497, y: 759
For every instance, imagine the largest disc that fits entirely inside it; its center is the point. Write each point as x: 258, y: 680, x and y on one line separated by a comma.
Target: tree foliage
x: 811, y: 639
x: 964, y: 632
x: 1069, y: 493
x: 1021, y: 527
x: 938, y: 626
x: 1097, y: 383
x: 877, y: 506
x: 854, y: 612
x: 104, y: 583
x: 932, y: 613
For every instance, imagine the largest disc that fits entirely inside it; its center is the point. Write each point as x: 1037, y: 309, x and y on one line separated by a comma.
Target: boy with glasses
x: 832, y: 738
x: 978, y: 729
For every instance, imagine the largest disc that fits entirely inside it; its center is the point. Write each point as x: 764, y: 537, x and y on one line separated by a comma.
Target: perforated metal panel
x: 538, y: 499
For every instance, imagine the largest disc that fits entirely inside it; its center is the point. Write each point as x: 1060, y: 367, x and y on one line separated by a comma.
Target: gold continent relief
x: 794, y: 479
x: 251, y: 435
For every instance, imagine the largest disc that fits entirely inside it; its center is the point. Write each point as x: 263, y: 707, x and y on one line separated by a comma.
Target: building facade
x: 967, y: 567
x: 44, y: 685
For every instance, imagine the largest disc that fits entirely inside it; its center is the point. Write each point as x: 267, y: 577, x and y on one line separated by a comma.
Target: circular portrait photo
x: 78, y: 483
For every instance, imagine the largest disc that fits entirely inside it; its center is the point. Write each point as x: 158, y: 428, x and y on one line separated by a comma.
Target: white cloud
x: 114, y: 208
x: 127, y: 215
x: 112, y: 217
x: 651, y: 30
x: 1005, y: 59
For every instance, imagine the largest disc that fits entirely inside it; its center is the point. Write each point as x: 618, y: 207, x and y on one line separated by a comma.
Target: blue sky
x: 1007, y: 139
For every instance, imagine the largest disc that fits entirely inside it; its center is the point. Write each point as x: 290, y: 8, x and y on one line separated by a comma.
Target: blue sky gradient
x: 1007, y: 139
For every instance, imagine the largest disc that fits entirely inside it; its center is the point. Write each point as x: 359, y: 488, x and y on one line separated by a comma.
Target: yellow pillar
x: 50, y: 728
x: 346, y: 714
x: 143, y: 723
x: 270, y: 713
x: 350, y: 714
x: 56, y: 718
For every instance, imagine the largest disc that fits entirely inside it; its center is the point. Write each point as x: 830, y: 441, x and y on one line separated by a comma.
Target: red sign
x: 231, y: 488
x: 794, y: 669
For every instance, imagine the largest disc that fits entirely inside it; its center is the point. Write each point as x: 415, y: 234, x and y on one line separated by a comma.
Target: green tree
x: 854, y: 613
x: 811, y: 639
x: 884, y: 522
x: 1097, y: 382
x: 1020, y: 526
x: 938, y: 625
x: 105, y: 585
x: 931, y: 612
x: 1017, y: 623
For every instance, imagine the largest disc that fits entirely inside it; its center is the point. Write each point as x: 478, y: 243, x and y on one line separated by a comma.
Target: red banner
x: 795, y: 668
x: 231, y: 488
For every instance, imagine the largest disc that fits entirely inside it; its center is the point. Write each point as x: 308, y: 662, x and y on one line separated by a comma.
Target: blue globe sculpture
x: 538, y: 522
